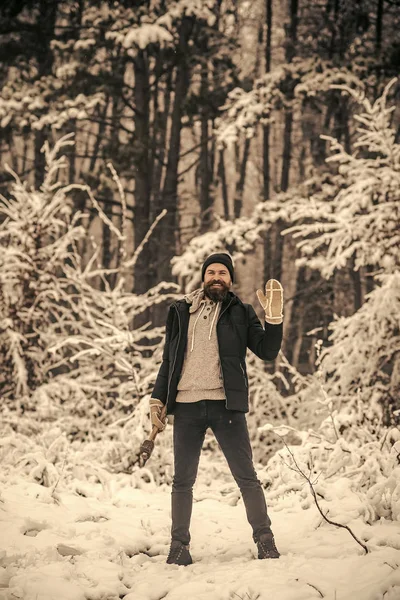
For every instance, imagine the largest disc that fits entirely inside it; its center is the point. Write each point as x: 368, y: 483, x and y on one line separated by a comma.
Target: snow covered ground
x: 90, y: 541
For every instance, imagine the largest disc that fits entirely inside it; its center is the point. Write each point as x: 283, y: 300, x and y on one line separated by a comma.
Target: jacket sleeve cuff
x: 273, y: 320
x: 156, y: 402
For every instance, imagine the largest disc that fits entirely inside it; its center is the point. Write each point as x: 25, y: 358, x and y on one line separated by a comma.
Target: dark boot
x: 179, y: 554
x: 266, y: 546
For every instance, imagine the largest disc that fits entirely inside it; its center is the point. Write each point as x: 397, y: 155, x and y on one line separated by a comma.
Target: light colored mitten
x: 272, y: 302
x: 156, y: 407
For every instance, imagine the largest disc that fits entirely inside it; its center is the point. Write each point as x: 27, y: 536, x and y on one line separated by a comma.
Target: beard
x: 216, y: 294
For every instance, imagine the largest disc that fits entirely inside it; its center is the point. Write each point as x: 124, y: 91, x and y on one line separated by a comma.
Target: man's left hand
x: 272, y: 301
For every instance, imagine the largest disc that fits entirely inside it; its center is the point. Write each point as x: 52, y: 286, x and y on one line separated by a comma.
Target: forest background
x: 268, y: 129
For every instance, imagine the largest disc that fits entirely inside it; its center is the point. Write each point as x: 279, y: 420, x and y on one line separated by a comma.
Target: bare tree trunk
x: 357, y: 286
x: 169, y: 226
x: 224, y: 187
x: 287, y: 135
x: 108, y: 202
x: 106, y: 239
x: 332, y: 45
x: 293, y: 279
x: 80, y: 197
x: 379, y: 20
x: 277, y: 239
x: 76, y: 22
x: 266, y: 168
x: 287, y: 150
x: 142, y: 166
x: 204, y: 167
x: 159, y: 137
x: 342, y: 118
x: 40, y: 163
x: 44, y: 55
x: 161, y: 117
x: 100, y: 135
x: 343, y: 285
x: 238, y: 201
x: 266, y: 143
x: 344, y: 134
x: 212, y: 153
x: 291, y: 39
x: 266, y: 131
x: 290, y: 53
x: 71, y: 128
x: 295, y: 358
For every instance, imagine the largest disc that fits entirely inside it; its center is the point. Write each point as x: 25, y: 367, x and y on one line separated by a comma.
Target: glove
x: 272, y: 302
x: 156, y: 407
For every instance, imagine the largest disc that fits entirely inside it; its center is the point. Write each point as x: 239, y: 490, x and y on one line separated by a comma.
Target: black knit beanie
x: 219, y: 257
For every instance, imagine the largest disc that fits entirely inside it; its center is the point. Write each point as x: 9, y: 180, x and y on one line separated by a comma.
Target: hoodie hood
x: 195, y: 298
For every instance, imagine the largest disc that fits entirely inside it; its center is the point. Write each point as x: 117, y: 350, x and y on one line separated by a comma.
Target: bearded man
x: 203, y: 383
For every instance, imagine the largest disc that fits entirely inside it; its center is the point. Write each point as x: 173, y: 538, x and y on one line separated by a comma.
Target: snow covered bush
x: 356, y: 476
x: 353, y: 456
x: 362, y: 365
x: 360, y: 219
x: 45, y: 454
x: 285, y: 396
x: 71, y: 351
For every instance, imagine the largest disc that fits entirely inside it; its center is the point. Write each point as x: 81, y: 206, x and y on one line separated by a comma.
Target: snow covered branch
x: 65, y: 341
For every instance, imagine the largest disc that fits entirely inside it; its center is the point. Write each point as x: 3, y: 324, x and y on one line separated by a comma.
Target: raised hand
x: 272, y: 301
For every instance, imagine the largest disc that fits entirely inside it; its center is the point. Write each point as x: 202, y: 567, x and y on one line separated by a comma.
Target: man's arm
x: 265, y: 343
x: 160, y: 389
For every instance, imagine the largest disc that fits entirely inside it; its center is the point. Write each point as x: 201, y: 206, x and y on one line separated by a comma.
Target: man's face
x: 217, y: 282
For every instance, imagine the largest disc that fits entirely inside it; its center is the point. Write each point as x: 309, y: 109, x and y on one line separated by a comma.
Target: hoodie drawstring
x: 194, y: 326
x: 217, y: 309
x: 214, y: 318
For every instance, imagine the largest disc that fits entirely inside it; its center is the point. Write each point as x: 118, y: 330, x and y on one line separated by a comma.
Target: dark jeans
x: 230, y: 429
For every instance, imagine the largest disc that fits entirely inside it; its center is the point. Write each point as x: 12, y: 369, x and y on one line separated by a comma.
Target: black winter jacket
x: 238, y: 328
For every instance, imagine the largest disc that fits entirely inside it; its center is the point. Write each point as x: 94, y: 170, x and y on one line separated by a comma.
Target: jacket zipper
x: 244, y: 375
x: 176, y: 354
x: 219, y: 354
